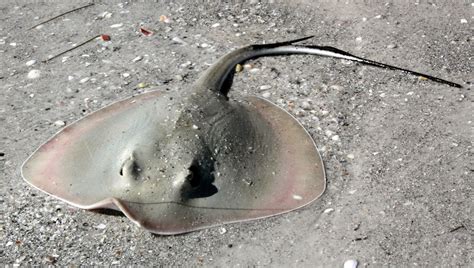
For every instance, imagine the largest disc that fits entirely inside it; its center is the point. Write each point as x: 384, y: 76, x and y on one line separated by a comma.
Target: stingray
x: 174, y: 162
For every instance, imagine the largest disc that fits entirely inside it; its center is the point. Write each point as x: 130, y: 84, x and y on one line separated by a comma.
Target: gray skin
x: 174, y: 164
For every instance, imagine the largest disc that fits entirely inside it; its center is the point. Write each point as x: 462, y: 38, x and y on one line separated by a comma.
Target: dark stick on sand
x: 60, y: 15
x: 66, y: 51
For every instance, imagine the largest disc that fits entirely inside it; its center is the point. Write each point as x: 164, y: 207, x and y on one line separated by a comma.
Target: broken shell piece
x: 105, y: 37
x: 146, y: 32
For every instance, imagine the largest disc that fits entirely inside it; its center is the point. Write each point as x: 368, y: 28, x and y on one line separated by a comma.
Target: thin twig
x: 60, y: 15
x: 66, y: 51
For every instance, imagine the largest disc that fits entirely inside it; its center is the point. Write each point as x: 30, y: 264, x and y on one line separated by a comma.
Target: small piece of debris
x: 165, y: 19
x: 105, y: 37
x: 137, y: 58
x: 359, y: 39
x: 350, y: 156
x: 50, y: 259
x: 238, y: 68
x: 60, y: 123
x: 178, y: 77
x: 195, y: 127
x: 328, y: 133
x: 215, y: 25
x: 350, y: 264
x: 266, y: 95
x: 105, y: 15
x: 222, y: 230
x: 125, y: 75
x: 178, y: 40
x: 391, y: 46
x: 100, y: 226
x: 254, y: 70
x: 146, y: 32
x: 463, y: 21
x: 60, y: 15
x: 306, y: 105
x: 265, y: 87
x: 83, y: 80
x: 30, y: 62
x: 118, y: 25
x: 328, y: 210
x: 141, y: 85
x: 33, y: 74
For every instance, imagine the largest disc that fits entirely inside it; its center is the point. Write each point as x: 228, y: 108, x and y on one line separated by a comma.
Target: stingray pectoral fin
x: 81, y: 163
x: 298, y: 176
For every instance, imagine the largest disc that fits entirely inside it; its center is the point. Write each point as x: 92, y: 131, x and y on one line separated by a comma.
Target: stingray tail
x: 220, y: 75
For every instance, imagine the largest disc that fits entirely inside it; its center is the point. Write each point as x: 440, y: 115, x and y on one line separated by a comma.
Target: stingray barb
x: 175, y: 162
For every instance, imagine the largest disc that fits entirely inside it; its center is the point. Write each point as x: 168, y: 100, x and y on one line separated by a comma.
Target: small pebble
x: 186, y: 64
x: 83, y: 80
x: 222, y: 230
x: 60, y: 123
x: 138, y: 58
x: 50, y: 259
x: 265, y: 87
x: 238, y: 68
x: 125, y: 75
x: 328, y: 210
x: 33, y: 74
x: 165, y: 19
x: 100, y: 226
x: 30, y: 62
x: 215, y: 25
x: 266, y: 95
x: 350, y: 264
x: 105, y: 15
x: 178, y: 77
x: 141, y: 85
x: 350, y: 156
x: 391, y: 46
x: 13, y: 44
x: 118, y: 25
x: 335, y: 138
x: 306, y: 105
x: 254, y: 70
x: 463, y: 21
x: 178, y: 40
x: 359, y: 39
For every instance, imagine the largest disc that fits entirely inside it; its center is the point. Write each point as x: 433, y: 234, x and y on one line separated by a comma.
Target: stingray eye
x: 130, y: 168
